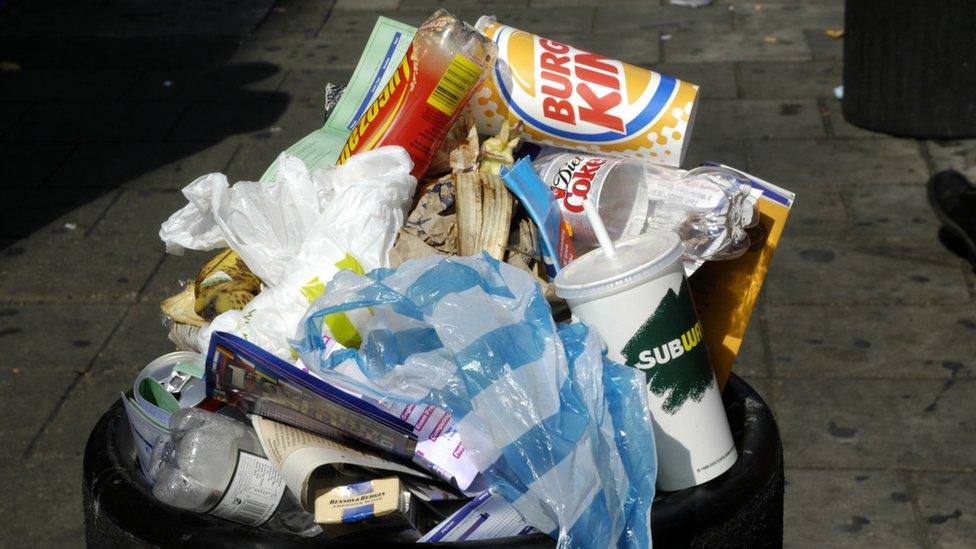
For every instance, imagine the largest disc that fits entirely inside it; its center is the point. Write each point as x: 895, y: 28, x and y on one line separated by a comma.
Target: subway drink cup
x: 640, y: 303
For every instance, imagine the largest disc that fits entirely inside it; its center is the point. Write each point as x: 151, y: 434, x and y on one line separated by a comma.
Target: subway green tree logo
x: 670, y: 350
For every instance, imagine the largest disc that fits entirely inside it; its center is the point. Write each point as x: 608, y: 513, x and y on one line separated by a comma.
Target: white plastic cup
x: 640, y: 303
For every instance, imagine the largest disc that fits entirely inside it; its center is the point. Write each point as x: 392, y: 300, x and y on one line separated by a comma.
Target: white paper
x: 297, y: 454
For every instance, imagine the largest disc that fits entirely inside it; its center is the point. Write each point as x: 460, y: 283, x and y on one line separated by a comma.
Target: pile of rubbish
x: 482, y: 301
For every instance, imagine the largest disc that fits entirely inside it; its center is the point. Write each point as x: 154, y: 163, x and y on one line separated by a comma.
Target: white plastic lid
x: 638, y: 258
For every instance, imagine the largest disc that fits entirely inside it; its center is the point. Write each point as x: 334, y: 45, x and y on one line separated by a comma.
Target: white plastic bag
x: 296, y: 233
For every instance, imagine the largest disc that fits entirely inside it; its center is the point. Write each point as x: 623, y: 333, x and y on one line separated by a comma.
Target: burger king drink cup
x: 636, y: 296
x: 575, y: 99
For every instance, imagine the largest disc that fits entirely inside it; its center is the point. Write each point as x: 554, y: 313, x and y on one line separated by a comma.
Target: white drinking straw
x: 600, y: 229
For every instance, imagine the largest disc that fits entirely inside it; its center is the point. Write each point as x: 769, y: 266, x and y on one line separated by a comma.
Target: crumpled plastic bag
x: 295, y: 234
x: 557, y: 429
x: 265, y: 223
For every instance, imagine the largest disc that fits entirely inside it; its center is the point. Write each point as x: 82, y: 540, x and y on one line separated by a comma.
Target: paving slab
x: 359, y: 22
x: 173, y: 271
x: 212, y: 122
x: 750, y: 363
x: 117, y: 276
x: 728, y: 152
x: 125, y: 242
x: 27, y: 165
x: 326, y: 51
x: 308, y: 85
x: 254, y: 157
x: 934, y: 342
x: 823, y: 47
x: 817, y: 212
x: 136, y: 217
x: 948, y: 507
x: 758, y: 119
x: 763, y: 16
x: 839, y: 126
x: 68, y: 85
x: 851, y: 508
x: 243, y: 83
x: 139, y: 340
x: 133, y: 19
x: 10, y: 113
x: 899, y: 212
x: 141, y: 165
x: 35, y: 372
x: 816, y: 271
x: 634, y: 49
x: 288, y: 18
x: 486, y: 5
x: 875, y: 423
x: 42, y: 503
x: 957, y: 155
x: 96, y: 122
x: 715, y: 80
x: 785, y: 44
x: 852, y: 162
x: 789, y: 79
x: 585, y: 3
x: 65, y: 214
x: 101, y: 53
x: 367, y: 4
x: 644, y: 20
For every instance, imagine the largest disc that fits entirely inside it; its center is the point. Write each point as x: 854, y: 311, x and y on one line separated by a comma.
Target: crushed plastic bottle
x: 709, y: 206
x: 213, y: 464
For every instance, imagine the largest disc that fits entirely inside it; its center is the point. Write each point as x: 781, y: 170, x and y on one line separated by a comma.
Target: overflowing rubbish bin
x: 483, y: 305
x: 743, y: 507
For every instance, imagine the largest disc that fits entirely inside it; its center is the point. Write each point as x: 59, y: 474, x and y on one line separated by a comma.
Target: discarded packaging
x: 213, y: 464
x: 487, y: 516
x: 710, y: 207
x: 380, y: 58
x: 554, y: 233
x: 299, y: 454
x: 255, y: 381
x: 443, y: 66
x: 394, y: 341
x: 296, y: 233
x: 540, y: 407
x: 726, y: 291
x: 636, y: 296
x: 615, y: 187
x: 364, y: 501
x: 571, y: 98
x: 166, y: 385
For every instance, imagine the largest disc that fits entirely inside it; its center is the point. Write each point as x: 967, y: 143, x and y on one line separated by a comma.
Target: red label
x: 572, y: 183
x: 377, y: 119
x: 417, y: 107
x: 564, y: 70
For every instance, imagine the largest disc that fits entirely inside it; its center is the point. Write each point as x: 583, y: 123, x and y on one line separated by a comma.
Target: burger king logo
x: 576, y: 95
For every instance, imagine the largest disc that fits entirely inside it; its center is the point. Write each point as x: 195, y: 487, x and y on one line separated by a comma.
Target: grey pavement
x: 864, y: 341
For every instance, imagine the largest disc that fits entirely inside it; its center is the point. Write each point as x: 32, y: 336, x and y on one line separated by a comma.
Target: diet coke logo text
x: 572, y: 182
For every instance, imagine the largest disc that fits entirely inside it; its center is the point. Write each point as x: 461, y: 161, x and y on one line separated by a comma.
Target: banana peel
x: 180, y: 307
x: 484, y: 213
x: 225, y: 283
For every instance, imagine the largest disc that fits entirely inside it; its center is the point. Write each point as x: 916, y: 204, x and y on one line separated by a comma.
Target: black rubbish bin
x: 742, y: 508
x: 910, y: 67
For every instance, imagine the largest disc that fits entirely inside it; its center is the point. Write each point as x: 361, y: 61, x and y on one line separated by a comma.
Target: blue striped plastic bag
x: 557, y: 429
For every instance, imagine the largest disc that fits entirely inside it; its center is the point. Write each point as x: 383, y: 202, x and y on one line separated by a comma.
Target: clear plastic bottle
x: 213, y: 464
x: 614, y: 186
x: 709, y: 206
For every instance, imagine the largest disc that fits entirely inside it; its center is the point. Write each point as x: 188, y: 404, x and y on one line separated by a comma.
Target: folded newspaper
x: 241, y: 373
